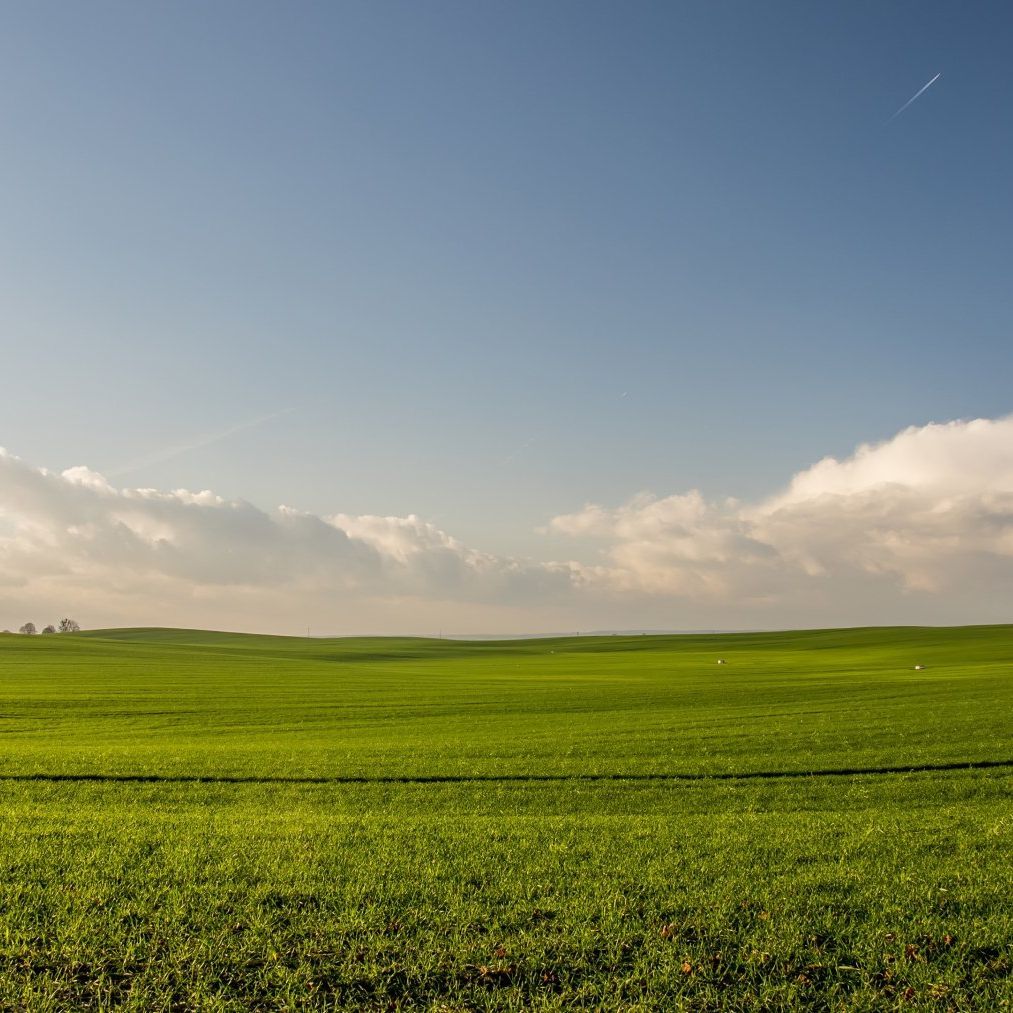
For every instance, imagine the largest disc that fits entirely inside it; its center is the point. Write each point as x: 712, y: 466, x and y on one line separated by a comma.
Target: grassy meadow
x: 205, y: 821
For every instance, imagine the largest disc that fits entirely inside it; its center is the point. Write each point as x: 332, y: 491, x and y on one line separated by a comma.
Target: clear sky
x: 486, y: 264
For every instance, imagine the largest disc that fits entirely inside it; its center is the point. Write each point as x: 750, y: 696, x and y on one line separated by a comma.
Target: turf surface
x: 213, y: 821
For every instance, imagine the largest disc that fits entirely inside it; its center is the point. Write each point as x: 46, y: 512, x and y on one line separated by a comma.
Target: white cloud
x: 916, y: 528
x: 76, y: 527
x: 973, y: 457
x: 926, y: 511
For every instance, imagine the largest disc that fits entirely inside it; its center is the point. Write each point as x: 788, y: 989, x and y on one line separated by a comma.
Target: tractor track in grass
x: 352, y: 779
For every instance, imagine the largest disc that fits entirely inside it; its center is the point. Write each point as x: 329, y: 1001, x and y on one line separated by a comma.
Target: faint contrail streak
x: 517, y: 451
x: 201, y: 441
x: 921, y: 91
x: 509, y: 457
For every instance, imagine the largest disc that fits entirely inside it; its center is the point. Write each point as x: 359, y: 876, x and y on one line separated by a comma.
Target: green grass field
x: 204, y: 821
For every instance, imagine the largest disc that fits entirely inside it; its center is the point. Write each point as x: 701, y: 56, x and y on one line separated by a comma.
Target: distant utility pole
x: 307, y: 633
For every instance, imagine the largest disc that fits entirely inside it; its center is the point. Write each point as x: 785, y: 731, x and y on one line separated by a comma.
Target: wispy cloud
x: 918, y: 94
x: 201, y: 441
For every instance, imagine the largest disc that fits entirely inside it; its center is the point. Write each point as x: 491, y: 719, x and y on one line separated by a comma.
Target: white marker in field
x: 721, y: 661
x: 919, y: 668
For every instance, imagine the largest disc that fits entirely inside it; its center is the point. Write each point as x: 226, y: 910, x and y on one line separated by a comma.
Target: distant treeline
x: 63, y: 626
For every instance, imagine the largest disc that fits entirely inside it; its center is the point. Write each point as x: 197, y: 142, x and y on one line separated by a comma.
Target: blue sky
x: 492, y: 262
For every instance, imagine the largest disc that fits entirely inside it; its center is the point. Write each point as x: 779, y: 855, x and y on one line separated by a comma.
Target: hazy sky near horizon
x: 503, y: 302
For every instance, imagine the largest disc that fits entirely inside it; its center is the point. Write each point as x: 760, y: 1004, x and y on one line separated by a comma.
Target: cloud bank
x: 66, y: 532
x: 926, y: 511
x: 916, y: 528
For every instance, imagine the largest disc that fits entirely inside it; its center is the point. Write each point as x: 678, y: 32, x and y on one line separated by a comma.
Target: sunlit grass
x: 851, y: 891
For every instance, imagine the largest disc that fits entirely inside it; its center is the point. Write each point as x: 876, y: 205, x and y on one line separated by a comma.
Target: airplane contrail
x: 924, y: 88
x: 201, y: 441
x: 517, y: 451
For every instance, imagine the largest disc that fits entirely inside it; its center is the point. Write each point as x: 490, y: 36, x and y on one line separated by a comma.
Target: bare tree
x: 49, y: 629
x: 69, y: 626
x: 28, y: 629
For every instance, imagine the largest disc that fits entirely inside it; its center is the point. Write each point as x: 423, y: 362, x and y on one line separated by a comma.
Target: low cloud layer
x: 926, y: 511
x: 76, y: 529
x: 917, y: 528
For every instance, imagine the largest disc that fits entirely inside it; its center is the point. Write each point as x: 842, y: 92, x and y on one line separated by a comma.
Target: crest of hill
x: 944, y: 643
